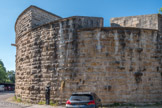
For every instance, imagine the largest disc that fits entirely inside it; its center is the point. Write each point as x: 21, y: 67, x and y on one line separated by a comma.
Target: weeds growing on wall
x: 160, y: 11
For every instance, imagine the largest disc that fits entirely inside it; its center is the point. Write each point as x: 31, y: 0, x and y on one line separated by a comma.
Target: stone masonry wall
x: 45, y: 56
x: 32, y: 17
x: 160, y: 23
x: 141, y: 21
x: 119, y: 64
x: 24, y: 23
x: 39, y: 17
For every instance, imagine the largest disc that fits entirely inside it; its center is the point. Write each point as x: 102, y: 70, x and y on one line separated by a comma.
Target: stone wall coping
x: 65, y: 19
x: 133, y: 16
x: 114, y: 28
x: 59, y: 20
x: 32, y: 6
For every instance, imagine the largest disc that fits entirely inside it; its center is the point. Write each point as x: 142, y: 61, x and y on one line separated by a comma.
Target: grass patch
x: 17, y: 99
x: 42, y: 103
x: 53, y: 103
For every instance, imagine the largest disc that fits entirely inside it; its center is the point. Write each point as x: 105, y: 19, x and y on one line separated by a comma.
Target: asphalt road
x: 6, y: 104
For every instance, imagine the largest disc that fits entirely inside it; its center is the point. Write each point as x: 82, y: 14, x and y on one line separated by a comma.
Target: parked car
x: 83, y: 100
x: 2, y: 88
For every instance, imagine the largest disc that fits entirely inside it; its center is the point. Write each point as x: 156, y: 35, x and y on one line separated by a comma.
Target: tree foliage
x: 3, y: 74
x: 6, y: 76
x: 11, y: 76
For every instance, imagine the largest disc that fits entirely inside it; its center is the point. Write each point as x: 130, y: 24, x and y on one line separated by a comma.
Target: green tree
x: 11, y: 76
x: 6, y: 77
x: 3, y: 74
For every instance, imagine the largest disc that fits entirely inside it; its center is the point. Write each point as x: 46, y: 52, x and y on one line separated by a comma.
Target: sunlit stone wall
x: 32, y: 17
x: 48, y: 56
x: 141, y: 21
x: 119, y: 64
x: 122, y: 65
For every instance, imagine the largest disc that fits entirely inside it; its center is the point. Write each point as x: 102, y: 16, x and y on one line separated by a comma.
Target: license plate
x: 79, y: 105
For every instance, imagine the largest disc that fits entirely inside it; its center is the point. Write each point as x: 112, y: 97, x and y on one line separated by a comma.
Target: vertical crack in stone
x: 98, y: 41
x: 69, y: 41
x: 116, y: 42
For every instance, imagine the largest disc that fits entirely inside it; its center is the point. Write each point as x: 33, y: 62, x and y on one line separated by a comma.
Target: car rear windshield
x: 81, y: 97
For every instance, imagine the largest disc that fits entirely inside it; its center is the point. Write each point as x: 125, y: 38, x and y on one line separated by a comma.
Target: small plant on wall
x: 160, y: 11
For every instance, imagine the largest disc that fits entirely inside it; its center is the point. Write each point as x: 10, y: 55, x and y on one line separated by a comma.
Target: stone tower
x: 119, y: 64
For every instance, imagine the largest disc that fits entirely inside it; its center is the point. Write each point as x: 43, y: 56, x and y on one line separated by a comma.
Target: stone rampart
x: 122, y: 65
x: 45, y: 54
x: 141, y: 21
x: 119, y: 64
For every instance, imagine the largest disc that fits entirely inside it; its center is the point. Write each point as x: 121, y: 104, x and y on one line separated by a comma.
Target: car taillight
x: 91, y: 102
x: 68, y: 102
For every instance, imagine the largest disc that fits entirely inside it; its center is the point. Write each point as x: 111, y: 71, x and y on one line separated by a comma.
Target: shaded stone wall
x: 39, y: 17
x: 141, y: 21
x: 160, y: 23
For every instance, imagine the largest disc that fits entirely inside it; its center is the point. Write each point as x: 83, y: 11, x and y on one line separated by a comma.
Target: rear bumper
x: 80, y: 106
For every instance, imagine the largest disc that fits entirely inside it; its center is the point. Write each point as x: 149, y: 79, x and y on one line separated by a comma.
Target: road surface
x: 6, y: 104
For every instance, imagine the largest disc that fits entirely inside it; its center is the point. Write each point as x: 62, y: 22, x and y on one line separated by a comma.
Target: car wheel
x: 101, y: 106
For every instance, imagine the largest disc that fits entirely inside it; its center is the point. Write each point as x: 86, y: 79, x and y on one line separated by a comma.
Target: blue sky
x: 10, y: 10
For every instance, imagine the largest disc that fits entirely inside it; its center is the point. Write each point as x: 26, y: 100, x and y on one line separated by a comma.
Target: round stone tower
x: 46, y: 53
x: 28, y: 52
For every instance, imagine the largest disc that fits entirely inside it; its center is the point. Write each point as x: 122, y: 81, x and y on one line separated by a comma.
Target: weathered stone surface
x: 32, y: 17
x: 141, y: 21
x: 79, y: 54
x: 125, y: 70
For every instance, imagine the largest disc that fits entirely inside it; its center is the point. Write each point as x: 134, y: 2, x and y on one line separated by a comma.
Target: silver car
x: 83, y: 100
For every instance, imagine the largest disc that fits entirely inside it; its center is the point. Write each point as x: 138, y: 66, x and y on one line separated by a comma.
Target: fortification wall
x: 119, y: 64
x: 47, y: 56
x: 160, y: 23
x: 111, y: 62
x: 141, y: 21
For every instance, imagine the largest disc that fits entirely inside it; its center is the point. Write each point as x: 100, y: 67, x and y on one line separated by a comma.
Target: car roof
x: 83, y: 93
